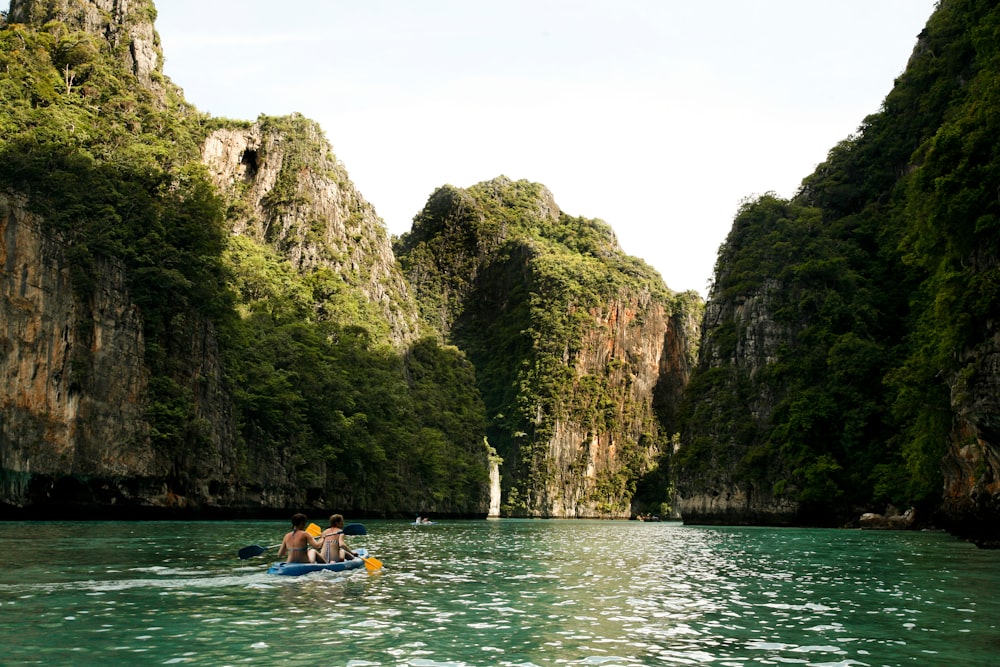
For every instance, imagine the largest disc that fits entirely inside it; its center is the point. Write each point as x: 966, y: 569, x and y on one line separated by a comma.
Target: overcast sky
x: 657, y: 116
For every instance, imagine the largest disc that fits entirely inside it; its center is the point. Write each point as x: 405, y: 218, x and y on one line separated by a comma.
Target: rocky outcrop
x: 971, y: 466
x: 79, y: 399
x: 578, y: 375
x: 761, y: 336
x: 734, y: 502
x: 891, y: 520
x: 628, y: 351
x: 739, y: 339
x: 851, y: 352
x: 126, y: 26
x: 74, y: 431
x: 290, y: 192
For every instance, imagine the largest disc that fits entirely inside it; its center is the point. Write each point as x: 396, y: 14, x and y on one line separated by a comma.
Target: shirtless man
x: 297, y: 542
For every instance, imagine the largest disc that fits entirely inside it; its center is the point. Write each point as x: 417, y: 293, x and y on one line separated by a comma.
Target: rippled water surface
x: 506, y: 592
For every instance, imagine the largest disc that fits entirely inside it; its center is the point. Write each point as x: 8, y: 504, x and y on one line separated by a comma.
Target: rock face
x: 72, y: 370
x: 67, y: 360
x: 74, y: 377
x: 295, y: 196
x: 850, y: 354
x: 715, y: 489
x: 971, y: 466
x: 619, y: 353
x: 639, y: 350
x: 74, y: 428
x: 74, y: 432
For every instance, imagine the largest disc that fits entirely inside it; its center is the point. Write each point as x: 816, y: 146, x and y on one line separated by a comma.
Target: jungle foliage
x: 113, y: 170
x: 879, y: 276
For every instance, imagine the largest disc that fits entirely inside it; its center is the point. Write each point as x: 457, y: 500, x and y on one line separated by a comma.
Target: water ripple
x: 510, y: 593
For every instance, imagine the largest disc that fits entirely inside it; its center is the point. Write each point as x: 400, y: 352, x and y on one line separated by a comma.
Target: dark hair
x: 336, y: 519
x: 299, y: 520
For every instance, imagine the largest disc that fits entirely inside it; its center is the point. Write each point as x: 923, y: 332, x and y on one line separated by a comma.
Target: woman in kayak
x: 297, y: 542
x: 334, y: 549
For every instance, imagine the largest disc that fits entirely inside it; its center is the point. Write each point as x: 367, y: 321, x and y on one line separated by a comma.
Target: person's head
x: 336, y: 521
x: 299, y: 520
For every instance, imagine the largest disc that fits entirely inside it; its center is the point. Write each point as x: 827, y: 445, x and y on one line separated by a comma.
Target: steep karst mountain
x: 848, y: 360
x: 581, y: 352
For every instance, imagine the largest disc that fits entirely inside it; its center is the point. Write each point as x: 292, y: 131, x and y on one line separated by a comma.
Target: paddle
x: 254, y: 550
x: 372, y: 564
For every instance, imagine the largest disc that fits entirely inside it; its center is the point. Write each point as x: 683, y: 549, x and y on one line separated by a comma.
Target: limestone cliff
x: 598, y: 347
x: 849, y: 358
x: 637, y: 349
x: 74, y: 428
x: 739, y: 339
x: 288, y: 191
x: 578, y: 349
x: 72, y: 369
x: 971, y: 465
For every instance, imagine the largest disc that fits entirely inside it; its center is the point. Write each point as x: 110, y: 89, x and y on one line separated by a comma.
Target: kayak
x: 423, y: 523
x: 295, y: 569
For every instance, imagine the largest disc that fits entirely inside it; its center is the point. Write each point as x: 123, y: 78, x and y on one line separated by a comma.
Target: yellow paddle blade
x: 372, y: 564
x: 314, y: 530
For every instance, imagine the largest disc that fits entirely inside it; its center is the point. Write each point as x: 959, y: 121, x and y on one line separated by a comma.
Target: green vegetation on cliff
x: 877, y: 279
x: 362, y: 423
x: 500, y: 271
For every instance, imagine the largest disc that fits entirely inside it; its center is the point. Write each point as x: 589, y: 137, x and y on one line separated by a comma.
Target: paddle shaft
x: 254, y: 550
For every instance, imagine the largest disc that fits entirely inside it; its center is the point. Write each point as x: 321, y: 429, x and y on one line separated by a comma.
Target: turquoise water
x: 507, y: 592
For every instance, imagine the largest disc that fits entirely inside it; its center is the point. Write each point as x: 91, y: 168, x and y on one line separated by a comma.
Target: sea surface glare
x: 521, y: 593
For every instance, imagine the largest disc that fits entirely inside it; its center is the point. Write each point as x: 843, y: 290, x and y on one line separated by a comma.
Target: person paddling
x: 297, y: 542
x: 334, y: 548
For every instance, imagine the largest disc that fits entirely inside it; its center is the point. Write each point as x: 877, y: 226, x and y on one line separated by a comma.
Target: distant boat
x: 423, y: 522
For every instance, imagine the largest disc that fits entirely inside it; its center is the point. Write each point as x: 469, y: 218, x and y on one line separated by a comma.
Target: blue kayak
x: 295, y: 569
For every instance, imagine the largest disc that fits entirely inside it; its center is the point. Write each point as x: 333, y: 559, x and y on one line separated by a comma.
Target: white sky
x: 658, y: 116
